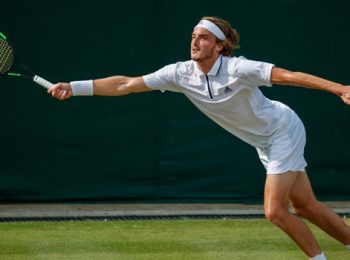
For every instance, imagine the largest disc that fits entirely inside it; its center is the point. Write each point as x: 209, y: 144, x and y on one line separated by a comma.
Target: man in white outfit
x: 226, y: 89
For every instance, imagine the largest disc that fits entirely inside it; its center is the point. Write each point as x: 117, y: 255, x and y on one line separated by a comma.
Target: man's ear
x: 219, y: 47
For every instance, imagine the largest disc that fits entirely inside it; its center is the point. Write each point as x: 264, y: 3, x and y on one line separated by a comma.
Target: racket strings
x: 6, y: 56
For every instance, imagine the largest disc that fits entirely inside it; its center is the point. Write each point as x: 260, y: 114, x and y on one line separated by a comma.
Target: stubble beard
x: 205, y: 57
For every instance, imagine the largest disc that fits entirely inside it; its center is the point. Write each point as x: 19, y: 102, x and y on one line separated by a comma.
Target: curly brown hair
x: 231, y: 42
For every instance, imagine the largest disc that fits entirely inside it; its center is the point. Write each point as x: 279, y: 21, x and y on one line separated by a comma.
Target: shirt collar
x: 214, y: 69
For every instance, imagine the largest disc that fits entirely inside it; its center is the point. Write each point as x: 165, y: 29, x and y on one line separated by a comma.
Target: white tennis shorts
x: 286, y: 151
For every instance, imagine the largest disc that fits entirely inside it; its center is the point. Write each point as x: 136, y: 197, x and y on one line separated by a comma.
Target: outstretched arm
x: 285, y: 77
x: 111, y: 86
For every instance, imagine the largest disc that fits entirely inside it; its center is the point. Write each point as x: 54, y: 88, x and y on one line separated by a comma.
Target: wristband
x: 82, y: 88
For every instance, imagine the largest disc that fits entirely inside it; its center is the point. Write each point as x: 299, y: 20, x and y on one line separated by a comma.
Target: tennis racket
x: 9, y: 62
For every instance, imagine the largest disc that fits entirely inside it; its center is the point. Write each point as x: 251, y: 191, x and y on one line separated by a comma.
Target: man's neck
x: 206, y: 65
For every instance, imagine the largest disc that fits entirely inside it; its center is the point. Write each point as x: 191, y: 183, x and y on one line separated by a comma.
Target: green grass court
x: 175, y: 239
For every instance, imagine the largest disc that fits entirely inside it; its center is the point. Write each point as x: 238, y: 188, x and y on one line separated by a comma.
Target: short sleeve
x: 163, y: 79
x: 256, y: 72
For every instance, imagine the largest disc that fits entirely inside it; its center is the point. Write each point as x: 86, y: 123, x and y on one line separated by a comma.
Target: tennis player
x: 226, y: 89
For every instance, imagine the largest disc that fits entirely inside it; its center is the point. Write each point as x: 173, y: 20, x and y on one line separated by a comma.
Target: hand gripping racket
x: 9, y: 60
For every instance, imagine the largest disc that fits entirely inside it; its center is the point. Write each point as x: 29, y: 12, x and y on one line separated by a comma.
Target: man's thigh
x: 277, y: 189
x: 301, y: 193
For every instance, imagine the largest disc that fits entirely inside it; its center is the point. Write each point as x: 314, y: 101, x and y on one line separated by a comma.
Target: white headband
x: 211, y: 27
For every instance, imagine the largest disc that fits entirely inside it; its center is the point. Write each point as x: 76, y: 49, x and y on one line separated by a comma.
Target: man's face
x: 203, y: 45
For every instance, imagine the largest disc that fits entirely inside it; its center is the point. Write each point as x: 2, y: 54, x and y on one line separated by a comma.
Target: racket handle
x: 42, y: 82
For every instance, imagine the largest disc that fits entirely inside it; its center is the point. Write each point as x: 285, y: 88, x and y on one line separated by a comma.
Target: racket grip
x: 42, y: 82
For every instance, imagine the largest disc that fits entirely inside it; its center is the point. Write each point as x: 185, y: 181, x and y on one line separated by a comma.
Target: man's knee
x: 275, y: 214
x: 306, y: 209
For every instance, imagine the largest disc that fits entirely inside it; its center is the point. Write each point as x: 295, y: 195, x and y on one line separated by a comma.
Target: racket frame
x: 37, y: 79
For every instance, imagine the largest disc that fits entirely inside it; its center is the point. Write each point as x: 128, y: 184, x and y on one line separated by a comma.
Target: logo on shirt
x: 227, y: 90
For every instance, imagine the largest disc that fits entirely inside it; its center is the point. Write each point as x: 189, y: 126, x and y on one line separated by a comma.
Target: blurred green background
x: 154, y: 146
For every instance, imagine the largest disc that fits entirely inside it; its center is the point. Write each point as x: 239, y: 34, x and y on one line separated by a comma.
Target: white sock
x: 319, y: 257
x: 348, y: 246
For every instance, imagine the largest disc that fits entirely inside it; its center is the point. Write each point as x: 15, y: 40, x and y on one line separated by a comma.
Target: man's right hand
x: 61, y: 91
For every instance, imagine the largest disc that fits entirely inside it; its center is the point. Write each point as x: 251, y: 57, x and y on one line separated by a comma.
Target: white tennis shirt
x: 229, y: 95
